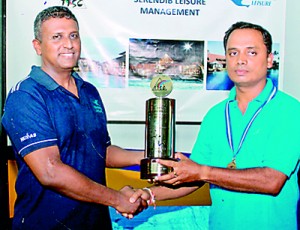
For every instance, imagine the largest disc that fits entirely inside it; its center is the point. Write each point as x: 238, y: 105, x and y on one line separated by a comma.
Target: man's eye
x: 74, y: 36
x: 252, y: 53
x: 56, y: 37
x: 233, y: 53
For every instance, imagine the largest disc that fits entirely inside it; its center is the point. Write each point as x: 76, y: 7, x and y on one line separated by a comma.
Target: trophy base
x: 150, y: 168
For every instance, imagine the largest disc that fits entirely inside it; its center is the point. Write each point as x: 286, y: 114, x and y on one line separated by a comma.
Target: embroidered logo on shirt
x: 96, y: 106
x: 27, y: 136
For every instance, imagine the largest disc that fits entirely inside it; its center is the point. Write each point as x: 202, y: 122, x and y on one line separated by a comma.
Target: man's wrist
x: 205, y: 171
x: 152, y: 200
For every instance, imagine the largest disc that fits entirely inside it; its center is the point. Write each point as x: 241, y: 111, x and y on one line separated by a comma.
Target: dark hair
x: 246, y: 25
x: 51, y: 12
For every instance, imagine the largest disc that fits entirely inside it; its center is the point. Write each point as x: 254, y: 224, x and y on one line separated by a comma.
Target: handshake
x: 133, y: 201
x: 169, y: 186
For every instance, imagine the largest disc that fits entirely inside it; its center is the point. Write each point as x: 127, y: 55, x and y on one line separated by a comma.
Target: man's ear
x: 270, y: 60
x: 37, y: 46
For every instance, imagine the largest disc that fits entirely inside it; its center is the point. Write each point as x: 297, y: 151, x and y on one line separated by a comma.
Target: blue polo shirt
x: 40, y: 113
x: 272, y: 141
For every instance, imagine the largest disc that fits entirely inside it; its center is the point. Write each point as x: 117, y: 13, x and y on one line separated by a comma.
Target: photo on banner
x: 182, y: 61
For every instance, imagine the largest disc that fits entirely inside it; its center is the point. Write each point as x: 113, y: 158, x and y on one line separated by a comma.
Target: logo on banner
x: 68, y: 3
x: 248, y: 3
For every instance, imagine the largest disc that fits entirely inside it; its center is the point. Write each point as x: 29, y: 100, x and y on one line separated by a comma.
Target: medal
x: 232, y: 164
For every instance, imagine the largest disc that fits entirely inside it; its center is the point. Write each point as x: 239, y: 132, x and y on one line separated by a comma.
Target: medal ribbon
x: 228, y: 122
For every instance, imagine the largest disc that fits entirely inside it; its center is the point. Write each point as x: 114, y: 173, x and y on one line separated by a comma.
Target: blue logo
x: 248, y: 3
x: 242, y: 3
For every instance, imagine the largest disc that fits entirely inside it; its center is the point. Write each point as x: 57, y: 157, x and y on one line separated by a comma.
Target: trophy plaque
x: 159, y: 128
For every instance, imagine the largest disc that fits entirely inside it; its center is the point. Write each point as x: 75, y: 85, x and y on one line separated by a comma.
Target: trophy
x: 159, y: 129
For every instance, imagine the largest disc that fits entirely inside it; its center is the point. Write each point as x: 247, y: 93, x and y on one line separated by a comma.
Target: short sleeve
x: 27, y: 122
x: 285, y: 151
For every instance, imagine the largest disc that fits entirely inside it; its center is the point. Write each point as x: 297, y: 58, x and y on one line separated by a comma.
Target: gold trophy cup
x: 159, y: 129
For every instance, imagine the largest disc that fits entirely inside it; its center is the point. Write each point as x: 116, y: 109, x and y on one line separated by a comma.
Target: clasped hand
x: 132, y: 201
x: 184, y: 171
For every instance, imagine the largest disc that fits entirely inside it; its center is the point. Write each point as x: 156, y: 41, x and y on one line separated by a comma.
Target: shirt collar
x: 44, y: 79
x: 260, y: 98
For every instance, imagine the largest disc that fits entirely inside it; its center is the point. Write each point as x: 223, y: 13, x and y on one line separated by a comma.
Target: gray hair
x: 51, y: 12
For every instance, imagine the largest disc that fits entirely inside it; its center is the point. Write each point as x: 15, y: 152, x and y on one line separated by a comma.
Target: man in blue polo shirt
x: 248, y: 146
x: 57, y: 126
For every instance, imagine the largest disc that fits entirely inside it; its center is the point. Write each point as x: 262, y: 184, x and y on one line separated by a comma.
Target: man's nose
x: 67, y: 42
x: 242, y: 59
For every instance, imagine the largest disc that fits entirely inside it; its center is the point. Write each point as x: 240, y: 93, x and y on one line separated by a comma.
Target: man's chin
x: 69, y: 66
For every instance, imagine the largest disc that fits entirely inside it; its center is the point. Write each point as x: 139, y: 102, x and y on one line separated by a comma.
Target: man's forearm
x: 117, y: 157
x: 256, y: 180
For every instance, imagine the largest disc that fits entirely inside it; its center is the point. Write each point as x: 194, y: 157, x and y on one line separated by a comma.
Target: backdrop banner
x: 128, y: 42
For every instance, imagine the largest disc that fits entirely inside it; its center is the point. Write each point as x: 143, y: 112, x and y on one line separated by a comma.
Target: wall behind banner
x: 291, y: 83
x: 191, y: 104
